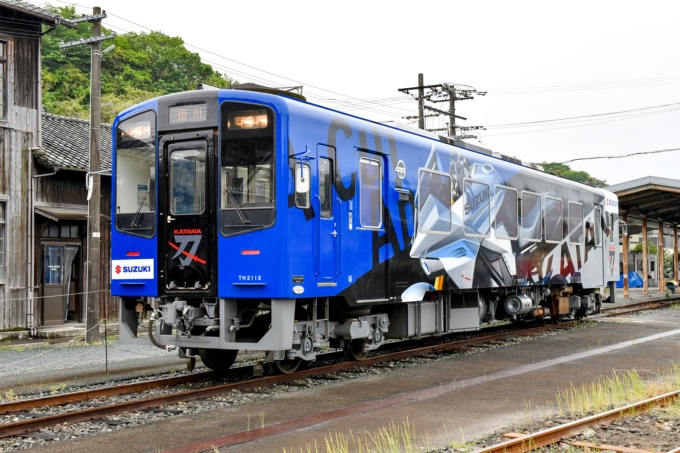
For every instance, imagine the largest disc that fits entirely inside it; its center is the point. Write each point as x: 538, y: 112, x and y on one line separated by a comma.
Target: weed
x: 10, y: 395
x: 618, y: 389
x: 57, y: 388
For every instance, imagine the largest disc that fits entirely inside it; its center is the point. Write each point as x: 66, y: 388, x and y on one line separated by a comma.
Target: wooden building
x: 60, y: 208
x: 21, y: 27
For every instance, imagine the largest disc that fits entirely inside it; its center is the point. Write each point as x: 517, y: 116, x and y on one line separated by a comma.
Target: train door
x: 600, y: 246
x: 610, y: 258
x: 187, y: 214
x: 327, y: 246
x: 371, y: 226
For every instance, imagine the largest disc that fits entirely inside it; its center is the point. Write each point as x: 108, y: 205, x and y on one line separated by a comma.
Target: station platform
x: 72, y: 330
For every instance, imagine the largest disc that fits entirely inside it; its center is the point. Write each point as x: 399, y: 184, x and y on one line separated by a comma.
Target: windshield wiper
x: 237, y: 207
x: 133, y: 224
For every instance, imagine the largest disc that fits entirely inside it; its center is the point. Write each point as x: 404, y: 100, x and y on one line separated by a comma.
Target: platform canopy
x: 657, y: 199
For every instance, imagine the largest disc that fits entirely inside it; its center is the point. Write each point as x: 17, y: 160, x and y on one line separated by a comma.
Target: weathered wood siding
x: 27, y: 64
x: 17, y: 136
x: 67, y: 188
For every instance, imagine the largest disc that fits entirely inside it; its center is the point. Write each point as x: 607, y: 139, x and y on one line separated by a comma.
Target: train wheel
x: 219, y: 360
x: 354, y: 350
x: 287, y: 366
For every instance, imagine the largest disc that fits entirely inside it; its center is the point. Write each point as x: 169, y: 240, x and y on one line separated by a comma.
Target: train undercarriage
x: 292, y: 332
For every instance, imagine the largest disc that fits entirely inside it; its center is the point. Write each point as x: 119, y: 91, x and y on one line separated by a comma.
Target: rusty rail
x: 555, y: 434
x: 29, y: 425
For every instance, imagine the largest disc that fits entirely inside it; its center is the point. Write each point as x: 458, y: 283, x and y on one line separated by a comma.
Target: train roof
x: 290, y: 95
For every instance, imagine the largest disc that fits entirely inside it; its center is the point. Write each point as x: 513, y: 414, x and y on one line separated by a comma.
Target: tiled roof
x: 66, y: 144
x: 44, y: 15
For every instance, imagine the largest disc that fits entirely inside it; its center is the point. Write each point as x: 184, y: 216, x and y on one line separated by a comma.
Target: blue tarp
x: 634, y: 280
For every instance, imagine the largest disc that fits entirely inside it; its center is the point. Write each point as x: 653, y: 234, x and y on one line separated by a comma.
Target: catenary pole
x: 94, y: 233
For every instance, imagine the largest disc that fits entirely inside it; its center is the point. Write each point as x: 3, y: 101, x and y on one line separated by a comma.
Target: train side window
x: 597, y: 230
x: 302, y: 186
x: 575, y: 223
x: 554, y: 230
x: 505, y: 212
x: 434, y: 202
x: 531, y: 216
x: 325, y: 185
x: 370, y: 193
x: 477, y: 213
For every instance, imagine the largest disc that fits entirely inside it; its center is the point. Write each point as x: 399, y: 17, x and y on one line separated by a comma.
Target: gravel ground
x: 657, y: 431
x: 61, y: 357
x: 28, y: 367
x: 24, y: 365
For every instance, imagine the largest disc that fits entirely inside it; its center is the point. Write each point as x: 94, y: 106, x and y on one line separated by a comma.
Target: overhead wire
x: 593, y: 123
x: 662, y: 80
x: 581, y: 117
x: 621, y: 156
x: 349, y: 103
x: 373, y: 106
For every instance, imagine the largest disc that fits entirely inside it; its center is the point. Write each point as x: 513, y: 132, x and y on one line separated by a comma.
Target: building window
x: 3, y: 80
x: 61, y: 230
x: 3, y: 229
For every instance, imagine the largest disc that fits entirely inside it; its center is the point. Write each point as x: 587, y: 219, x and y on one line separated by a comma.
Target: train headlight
x: 248, y: 119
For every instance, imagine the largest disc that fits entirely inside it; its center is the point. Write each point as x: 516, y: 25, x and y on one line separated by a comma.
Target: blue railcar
x: 250, y: 220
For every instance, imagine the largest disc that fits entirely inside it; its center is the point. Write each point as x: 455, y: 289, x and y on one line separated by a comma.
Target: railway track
x: 521, y: 443
x: 38, y: 422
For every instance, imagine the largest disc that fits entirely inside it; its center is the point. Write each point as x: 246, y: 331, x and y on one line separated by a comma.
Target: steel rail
x: 555, y: 434
x: 85, y: 395
x: 24, y: 426
x: 77, y: 397
x: 29, y: 425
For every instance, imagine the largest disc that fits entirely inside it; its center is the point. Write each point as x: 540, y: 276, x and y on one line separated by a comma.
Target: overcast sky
x: 538, y: 61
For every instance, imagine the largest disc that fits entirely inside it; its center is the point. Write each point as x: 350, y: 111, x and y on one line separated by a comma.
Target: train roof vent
x: 517, y: 161
x: 293, y: 92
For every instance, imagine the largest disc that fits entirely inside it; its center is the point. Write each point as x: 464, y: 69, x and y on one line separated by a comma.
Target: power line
x: 588, y: 124
x: 662, y: 80
x: 622, y: 155
x: 529, y: 123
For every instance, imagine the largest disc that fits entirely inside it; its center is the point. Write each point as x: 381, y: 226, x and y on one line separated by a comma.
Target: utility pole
x: 92, y: 264
x: 442, y: 93
x: 421, y: 102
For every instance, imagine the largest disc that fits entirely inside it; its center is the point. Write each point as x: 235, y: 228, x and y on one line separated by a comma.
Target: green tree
x: 140, y: 66
x: 651, y: 248
x: 564, y: 171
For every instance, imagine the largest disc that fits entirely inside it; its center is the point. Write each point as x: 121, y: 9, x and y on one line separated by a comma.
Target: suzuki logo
x: 118, y: 269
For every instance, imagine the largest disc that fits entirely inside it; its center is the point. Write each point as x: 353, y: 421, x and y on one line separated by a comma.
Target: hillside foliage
x: 565, y: 171
x: 139, y: 66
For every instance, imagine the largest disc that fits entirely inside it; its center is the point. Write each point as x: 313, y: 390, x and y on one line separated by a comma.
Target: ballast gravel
x: 18, y: 362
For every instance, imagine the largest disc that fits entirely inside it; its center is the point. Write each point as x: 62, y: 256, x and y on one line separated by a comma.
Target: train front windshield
x: 247, y: 168
x: 136, y: 175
